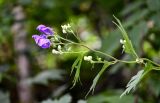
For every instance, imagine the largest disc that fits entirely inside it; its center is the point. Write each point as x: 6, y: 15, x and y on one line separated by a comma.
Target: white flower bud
x: 55, y: 51
x: 64, y: 31
x: 88, y: 58
x: 65, y: 28
x: 139, y: 60
x: 59, y: 48
x: 123, y: 47
x: 122, y: 41
x: 68, y: 26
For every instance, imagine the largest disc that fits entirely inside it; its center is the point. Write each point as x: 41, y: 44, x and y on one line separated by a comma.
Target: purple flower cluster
x: 42, y: 40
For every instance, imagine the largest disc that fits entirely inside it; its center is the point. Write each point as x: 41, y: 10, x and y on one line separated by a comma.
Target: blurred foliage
x: 4, y: 97
x: 64, y: 99
x: 93, y: 22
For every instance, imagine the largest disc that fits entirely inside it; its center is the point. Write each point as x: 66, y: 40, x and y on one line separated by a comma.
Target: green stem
x: 156, y: 68
x: 76, y: 36
x: 115, y: 59
x: 146, y: 59
x: 66, y: 39
x: 75, y: 52
x: 98, y: 51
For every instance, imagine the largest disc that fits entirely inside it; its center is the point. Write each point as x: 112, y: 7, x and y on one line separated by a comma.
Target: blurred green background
x: 29, y: 72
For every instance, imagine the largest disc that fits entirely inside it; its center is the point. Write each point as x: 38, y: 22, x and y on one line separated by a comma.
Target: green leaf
x: 111, y: 41
x: 128, y: 45
x: 105, y: 66
x: 131, y: 7
x: 77, y: 65
x: 137, y: 78
x: 137, y: 33
x: 133, y: 82
x: 136, y: 17
x: 44, y: 76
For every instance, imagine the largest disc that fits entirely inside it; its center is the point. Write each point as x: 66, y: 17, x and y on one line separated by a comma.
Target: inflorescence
x: 63, y: 46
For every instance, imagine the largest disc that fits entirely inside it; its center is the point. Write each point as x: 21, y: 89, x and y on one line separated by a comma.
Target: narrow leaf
x: 137, y: 78
x: 128, y: 45
x: 133, y: 82
x: 77, y: 65
x: 98, y: 76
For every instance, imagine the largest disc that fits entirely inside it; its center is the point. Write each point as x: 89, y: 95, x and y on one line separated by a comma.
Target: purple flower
x: 42, y: 41
x: 44, y: 29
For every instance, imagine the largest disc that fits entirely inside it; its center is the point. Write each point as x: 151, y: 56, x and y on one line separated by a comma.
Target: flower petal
x: 44, y: 29
x: 36, y: 38
x: 44, y: 43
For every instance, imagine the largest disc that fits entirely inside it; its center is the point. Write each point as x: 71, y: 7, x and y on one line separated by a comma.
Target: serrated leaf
x: 77, y: 65
x: 133, y: 82
x: 137, y: 78
x: 98, y: 76
x: 128, y: 45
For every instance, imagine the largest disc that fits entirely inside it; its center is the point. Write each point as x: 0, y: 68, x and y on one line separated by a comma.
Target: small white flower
x: 55, y: 51
x: 59, y: 48
x: 88, y: 58
x: 69, y: 26
x: 122, y: 41
x: 65, y: 28
x: 138, y: 60
x: 64, y: 31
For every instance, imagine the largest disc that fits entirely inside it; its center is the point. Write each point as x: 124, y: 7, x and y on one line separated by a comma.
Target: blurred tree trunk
x: 20, y: 46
